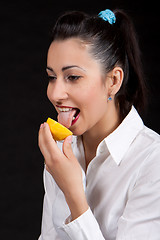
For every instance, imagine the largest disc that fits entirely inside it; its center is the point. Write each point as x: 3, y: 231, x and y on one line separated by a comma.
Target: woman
x: 104, y: 182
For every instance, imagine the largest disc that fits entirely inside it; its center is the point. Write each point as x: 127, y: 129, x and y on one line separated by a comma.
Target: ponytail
x: 113, y: 45
x: 133, y: 90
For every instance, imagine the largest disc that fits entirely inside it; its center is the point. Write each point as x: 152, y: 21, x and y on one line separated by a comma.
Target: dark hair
x: 113, y: 45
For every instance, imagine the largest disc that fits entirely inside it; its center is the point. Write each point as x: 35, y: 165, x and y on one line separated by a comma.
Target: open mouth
x: 75, y: 117
x: 76, y: 114
x: 67, y: 116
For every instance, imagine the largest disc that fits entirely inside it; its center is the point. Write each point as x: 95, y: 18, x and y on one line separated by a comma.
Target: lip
x: 63, y: 106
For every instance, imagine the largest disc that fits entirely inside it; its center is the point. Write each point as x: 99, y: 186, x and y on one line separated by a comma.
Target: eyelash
x: 71, y: 78
x: 51, y: 78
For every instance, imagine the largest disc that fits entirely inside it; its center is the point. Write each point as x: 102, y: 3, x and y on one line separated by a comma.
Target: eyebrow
x: 65, y: 68
x: 50, y: 69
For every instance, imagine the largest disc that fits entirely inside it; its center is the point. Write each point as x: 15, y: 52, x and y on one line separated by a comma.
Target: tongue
x: 65, y: 118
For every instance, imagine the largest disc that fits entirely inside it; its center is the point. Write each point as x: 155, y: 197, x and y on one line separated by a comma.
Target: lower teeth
x: 73, y: 118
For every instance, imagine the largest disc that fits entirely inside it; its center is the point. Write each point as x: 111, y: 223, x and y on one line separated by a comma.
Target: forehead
x: 70, y: 52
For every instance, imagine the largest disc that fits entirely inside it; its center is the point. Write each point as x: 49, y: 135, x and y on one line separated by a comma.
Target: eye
x: 73, y: 78
x: 51, y: 78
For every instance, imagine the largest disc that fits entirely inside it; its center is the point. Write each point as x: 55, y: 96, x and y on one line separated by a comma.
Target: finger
x: 47, y: 144
x: 46, y: 136
x: 42, y: 142
x: 67, y: 147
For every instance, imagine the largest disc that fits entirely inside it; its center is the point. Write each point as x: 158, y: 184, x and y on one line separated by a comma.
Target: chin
x: 77, y: 131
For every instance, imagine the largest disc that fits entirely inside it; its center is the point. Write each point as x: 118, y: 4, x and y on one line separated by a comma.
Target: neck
x: 101, y: 130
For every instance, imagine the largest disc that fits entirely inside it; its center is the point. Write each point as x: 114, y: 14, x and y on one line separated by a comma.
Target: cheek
x: 50, y: 93
x: 93, y: 100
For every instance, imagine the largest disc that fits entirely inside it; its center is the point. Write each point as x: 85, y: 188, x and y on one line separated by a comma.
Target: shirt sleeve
x: 84, y: 227
x: 48, y: 231
x: 141, y: 218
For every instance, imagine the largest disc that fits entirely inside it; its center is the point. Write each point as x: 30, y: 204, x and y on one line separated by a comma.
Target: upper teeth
x: 64, y: 109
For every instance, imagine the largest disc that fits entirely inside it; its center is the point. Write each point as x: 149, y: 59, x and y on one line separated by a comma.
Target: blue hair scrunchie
x: 108, y: 16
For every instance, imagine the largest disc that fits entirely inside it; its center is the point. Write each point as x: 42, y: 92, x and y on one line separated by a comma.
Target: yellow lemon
x: 59, y: 132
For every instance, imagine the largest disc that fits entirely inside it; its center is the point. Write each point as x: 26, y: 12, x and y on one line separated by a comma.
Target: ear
x: 114, y: 80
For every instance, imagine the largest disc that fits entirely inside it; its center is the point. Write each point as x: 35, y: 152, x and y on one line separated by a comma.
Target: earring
x: 109, y: 99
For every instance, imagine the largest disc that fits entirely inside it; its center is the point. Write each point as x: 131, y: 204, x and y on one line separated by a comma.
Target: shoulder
x: 150, y: 145
x: 151, y: 134
x: 149, y: 139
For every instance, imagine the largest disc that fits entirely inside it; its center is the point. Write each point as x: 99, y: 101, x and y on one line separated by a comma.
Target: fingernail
x: 45, y: 124
x: 41, y: 126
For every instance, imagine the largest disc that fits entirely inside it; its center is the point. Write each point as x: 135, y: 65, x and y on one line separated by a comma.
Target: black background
x: 25, y: 28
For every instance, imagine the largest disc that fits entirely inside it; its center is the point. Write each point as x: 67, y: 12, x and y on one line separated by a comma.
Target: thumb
x: 67, y: 147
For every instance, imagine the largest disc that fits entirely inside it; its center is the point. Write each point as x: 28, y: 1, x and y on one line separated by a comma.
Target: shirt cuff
x: 84, y: 227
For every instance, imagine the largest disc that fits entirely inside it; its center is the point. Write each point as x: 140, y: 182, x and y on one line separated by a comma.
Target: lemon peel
x: 59, y: 132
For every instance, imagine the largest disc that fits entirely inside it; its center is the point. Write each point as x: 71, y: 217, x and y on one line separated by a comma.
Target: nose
x: 57, y: 91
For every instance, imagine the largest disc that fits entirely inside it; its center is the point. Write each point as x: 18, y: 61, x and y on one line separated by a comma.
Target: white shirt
x: 122, y: 186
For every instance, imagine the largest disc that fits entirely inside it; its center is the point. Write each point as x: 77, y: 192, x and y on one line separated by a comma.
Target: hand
x: 65, y: 169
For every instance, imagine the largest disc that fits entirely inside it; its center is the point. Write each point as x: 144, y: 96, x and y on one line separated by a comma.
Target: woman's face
x: 76, y: 86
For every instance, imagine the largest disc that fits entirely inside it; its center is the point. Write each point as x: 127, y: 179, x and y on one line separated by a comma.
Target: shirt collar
x: 119, y: 141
